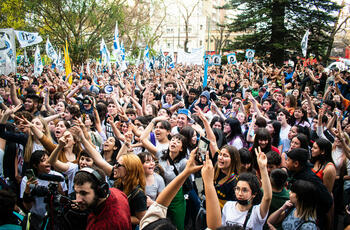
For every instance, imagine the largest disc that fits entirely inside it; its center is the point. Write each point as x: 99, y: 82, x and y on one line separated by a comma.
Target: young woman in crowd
x: 234, y: 136
x: 154, y: 182
x: 300, y: 118
x: 274, y: 128
x: 300, y: 211
x: 251, y: 208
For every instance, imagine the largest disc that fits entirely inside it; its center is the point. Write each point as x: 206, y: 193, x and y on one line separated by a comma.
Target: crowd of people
x: 127, y: 147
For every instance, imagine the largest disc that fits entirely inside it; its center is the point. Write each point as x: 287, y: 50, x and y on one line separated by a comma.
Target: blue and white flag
x: 249, y: 55
x: 7, y: 52
x: 38, y: 64
x: 146, y: 59
x: 170, y: 60
x: 27, y: 38
x: 216, y: 59
x: 304, y: 43
x: 231, y: 58
x: 116, y: 47
x: 105, y: 55
x: 161, y: 59
x: 50, y: 51
x: 123, y: 66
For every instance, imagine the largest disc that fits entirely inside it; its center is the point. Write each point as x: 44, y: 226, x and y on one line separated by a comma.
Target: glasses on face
x: 118, y: 165
x: 243, y: 190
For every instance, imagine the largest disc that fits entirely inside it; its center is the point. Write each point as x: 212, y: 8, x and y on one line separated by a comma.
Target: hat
x: 299, y: 154
x: 87, y: 100
x: 184, y: 111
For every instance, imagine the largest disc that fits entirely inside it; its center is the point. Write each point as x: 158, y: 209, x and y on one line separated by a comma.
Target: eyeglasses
x: 118, y: 165
x: 243, y: 190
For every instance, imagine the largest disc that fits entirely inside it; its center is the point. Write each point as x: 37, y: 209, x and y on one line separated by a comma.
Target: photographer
x: 109, y: 206
x: 33, y: 199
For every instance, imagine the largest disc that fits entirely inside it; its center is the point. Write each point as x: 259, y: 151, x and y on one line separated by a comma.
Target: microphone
x: 50, y: 177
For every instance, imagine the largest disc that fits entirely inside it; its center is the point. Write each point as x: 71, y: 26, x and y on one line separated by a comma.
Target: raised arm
x: 53, y: 159
x: 211, y: 197
x: 266, y: 184
x: 96, y: 156
x: 13, y: 92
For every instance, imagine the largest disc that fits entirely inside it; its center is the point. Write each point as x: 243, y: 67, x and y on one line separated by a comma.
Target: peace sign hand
x: 261, y: 158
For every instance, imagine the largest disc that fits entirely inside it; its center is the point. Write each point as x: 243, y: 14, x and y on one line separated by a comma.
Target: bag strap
x: 247, y: 217
x: 172, y: 163
x: 304, y: 222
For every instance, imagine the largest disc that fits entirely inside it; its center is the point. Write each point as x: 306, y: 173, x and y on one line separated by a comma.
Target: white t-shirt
x: 70, y: 173
x: 284, y: 132
x: 232, y: 216
x: 39, y: 205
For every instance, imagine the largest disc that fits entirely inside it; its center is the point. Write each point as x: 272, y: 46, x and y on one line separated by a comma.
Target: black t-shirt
x: 226, y: 190
x: 137, y: 201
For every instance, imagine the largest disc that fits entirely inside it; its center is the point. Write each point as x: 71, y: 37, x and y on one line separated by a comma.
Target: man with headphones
x: 109, y: 206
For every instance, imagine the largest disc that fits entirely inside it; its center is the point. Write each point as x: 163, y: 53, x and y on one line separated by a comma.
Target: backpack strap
x: 247, y: 217
x: 304, y: 222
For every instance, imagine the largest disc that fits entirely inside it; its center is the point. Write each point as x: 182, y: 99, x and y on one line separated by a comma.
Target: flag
x: 50, y: 51
x: 82, y: 68
x: 304, y: 43
x: 67, y: 64
x: 38, y: 63
x: 26, y: 59
x: 146, y: 59
x: 88, y: 67
x: 7, y: 52
x: 105, y: 55
x: 231, y: 58
x: 205, y: 78
x: 27, y: 38
x: 216, y: 59
x: 170, y: 60
x: 116, y: 46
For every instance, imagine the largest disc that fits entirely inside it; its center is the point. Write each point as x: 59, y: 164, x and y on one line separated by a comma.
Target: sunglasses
x: 118, y: 165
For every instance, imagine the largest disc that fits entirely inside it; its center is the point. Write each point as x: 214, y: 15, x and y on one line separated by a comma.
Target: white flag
x: 27, y: 38
x: 82, y: 68
x: 38, y: 64
x: 7, y: 52
x: 116, y: 47
x: 105, y: 55
x: 88, y: 67
x: 50, y: 51
x: 304, y: 43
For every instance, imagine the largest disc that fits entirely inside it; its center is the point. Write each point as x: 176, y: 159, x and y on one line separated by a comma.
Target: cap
x: 184, y: 111
x: 299, y: 154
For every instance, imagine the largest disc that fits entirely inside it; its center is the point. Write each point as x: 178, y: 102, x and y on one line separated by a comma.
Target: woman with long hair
x: 274, y: 128
x: 300, y: 211
x: 321, y: 157
x: 262, y: 140
x: 217, y: 123
x: 128, y: 174
x: 234, y: 136
x: 250, y: 199
x: 190, y: 135
x: 298, y: 141
x: 227, y: 169
x: 154, y: 182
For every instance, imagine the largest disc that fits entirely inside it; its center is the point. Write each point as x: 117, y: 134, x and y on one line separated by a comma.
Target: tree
x: 82, y: 22
x: 221, y: 38
x: 277, y: 25
x: 12, y: 14
x: 186, y: 13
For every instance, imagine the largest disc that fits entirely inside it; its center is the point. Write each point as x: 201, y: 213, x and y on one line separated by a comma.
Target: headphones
x: 102, y: 187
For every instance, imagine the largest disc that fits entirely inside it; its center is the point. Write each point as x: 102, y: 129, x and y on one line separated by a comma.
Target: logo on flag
x: 27, y: 38
x: 216, y: 59
x: 231, y: 58
x: 50, y: 51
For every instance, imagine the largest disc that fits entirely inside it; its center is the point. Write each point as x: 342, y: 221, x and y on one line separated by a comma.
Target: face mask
x: 243, y: 202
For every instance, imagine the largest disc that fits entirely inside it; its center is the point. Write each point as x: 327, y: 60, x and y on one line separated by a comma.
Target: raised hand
x: 261, y: 158
x: 191, y: 166
x: 207, y: 170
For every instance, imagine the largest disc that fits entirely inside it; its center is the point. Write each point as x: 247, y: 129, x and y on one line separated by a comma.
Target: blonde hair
x: 134, y: 175
x: 30, y: 142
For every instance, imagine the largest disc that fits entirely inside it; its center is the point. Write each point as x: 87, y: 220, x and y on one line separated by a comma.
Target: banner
x: 27, y: 38
x: 50, y: 51
x: 249, y: 55
x: 67, y: 64
x: 231, y: 58
x: 304, y: 43
x: 170, y: 60
x: 7, y: 51
x: 38, y: 63
x: 216, y: 59
x: 194, y: 58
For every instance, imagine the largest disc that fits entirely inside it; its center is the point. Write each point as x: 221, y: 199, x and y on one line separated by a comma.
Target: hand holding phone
x: 203, y: 147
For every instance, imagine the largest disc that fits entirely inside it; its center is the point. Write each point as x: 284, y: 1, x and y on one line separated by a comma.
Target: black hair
x: 278, y: 178
x: 7, y: 206
x: 326, y: 147
x: 182, y: 153
x: 260, y: 122
x: 75, y: 111
x: 160, y: 224
x: 235, y: 127
x: 261, y: 134
x: 36, y: 158
x: 304, y: 140
x: 165, y: 125
x: 276, y: 133
x: 217, y: 119
x: 83, y: 177
x: 220, y: 137
x: 330, y: 103
x: 188, y: 133
x: 273, y: 158
x: 254, y: 185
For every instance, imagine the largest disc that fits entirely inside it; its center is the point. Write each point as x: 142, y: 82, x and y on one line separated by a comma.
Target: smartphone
x: 30, y: 174
x: 203, y: 147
